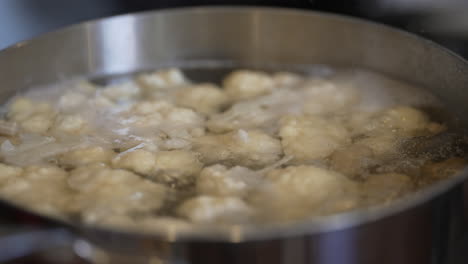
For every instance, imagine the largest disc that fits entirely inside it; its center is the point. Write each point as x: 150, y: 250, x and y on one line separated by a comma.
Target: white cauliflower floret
x: 104, y: 193
x: 44, y: 172
x: 20, y: 109
x: 160, y: 125
x: 164, y: 116
x: 41, y: 188
x: 296, y: 192
x: 381, y: 143
x: 37, y: 124
x: 355, y: 121
x: 83, y: 178
x: 178, y: 143
x: 162, y: 79
x: 244, y: 115
x: 260, y: 113
x: 245, y: 84
x: 7, y: 172
x: 218, y: 180
x: 384, y: 188
x: 70, y: 123
x: 70, y: 101
x: 149, y: 120
x: 138, y: 160
x: 282, y: 79
x: 249, y: 148
x: 100, y: 101
x: 308, y: 137
x: 33, y: 117
x: 85, y: 156
x: 184, y: 116
x: 210, y: 209
x: 120, y: 92
x: 402, y: 120
x: 149, y: 107
x: 204, y: 98
x: 177, y: 166
x: 322, y: 96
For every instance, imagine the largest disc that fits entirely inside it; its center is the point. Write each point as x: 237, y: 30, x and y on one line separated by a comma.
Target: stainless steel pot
x: 422, y: 229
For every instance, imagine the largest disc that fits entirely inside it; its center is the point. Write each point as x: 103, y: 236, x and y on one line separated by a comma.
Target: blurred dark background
x: 444, y: 21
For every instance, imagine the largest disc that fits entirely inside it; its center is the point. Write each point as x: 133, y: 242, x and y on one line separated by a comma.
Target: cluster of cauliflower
x: 160, y: 152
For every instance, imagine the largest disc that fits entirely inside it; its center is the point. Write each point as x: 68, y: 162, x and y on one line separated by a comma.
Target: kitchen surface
x: 445, y: 22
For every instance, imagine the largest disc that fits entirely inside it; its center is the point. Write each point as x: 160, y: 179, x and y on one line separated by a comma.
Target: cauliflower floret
x: 286, y: 79
x: 249, y: 148
x: 402, y: 120
x: 165, y: 116
x: 121, y: 92
x: 162, y: 79
x: 245, y: 84
x: 185, y: 116
x: 100, y: 101
x: 355, y: 121
x: 85, y: 156
x: 96, y: 176
x: 243, y: 115
x: 210, y: 209
x: 178, y: 143
x: 7, y: 172
x: 149, y: 107
x: 381, y: 143
x: 310, y: 137
x: 33, y: 117
x: 296, y: 192
x: 70, y: 124
x: 384, y: 188
x: 261, y: 112
x: 41, y: 188
x: 138, y: 160
x: 160, y: 125
x: 104, y: 193
x: 353, y: 161
x: 20, y: 109
x: 70, y: 101
x: 149, y: 120
x: 204, y: 98
x: 218, y: 180
x: 37, y: 124
x: 323, y: 96
x: 83, y: 178
x: 111, y: 201
x: 177, y: 166
x: 44, y: 172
